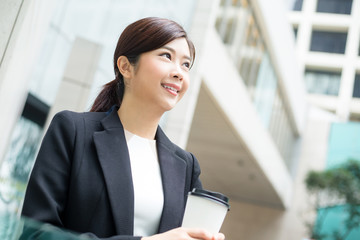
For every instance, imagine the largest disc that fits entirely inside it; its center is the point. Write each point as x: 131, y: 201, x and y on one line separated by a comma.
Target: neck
x: 139, y: 119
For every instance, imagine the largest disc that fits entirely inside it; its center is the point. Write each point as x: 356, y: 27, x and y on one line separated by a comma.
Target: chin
x: 169, y: 104
x: 168, y: 107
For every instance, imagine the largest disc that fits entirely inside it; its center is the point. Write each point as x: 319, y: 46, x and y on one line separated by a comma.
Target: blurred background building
x: 327, y: 44
x: 328, y: 35
x: 245, y: 115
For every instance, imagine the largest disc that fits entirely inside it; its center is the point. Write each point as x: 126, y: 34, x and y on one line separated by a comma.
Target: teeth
x: 171, y: 88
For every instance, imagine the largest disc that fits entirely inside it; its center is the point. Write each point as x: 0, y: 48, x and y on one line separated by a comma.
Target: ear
x: 125, y: 67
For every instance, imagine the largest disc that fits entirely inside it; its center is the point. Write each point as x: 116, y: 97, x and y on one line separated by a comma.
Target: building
x: 327, y: 44
x: 328, y: 36
x: 244, y: 116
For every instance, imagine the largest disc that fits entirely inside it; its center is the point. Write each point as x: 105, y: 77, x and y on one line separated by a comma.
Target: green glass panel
x: 344, y: 144
x: 13, y: 227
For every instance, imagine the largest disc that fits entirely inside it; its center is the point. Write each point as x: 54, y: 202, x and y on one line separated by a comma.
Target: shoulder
x: 183, y: 153
x: 74, y: 122
x: 75, y: 116
x: 178, y: 151
x: 189, y: 158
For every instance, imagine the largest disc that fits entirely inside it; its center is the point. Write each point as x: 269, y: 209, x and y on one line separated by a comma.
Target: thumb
x: 219, y: 236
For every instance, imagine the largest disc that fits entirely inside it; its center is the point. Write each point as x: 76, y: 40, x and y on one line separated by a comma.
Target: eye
x: 187, y: 65
x: 167, y: 55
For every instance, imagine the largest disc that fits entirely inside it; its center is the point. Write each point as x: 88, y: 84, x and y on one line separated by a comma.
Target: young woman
x: 112, y: 173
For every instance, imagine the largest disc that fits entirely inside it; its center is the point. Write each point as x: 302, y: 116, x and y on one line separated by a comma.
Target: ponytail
x: 111, y: 94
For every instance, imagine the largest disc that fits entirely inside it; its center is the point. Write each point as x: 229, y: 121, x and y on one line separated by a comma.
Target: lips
x: 172, y: 88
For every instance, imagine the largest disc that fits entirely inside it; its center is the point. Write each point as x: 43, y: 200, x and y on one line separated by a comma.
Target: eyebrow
x: 173, y: 51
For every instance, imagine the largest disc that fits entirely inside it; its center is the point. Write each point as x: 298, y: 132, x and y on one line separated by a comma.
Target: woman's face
x: 161, y: 77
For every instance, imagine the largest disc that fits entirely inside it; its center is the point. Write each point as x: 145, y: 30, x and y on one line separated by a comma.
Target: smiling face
x: 161, y: 77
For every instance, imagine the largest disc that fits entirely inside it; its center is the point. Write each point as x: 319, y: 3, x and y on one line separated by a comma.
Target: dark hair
x: 142, y: 36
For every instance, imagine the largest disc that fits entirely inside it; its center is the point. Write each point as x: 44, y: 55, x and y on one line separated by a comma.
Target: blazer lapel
x: 173, y: 173
x: 114, y: 159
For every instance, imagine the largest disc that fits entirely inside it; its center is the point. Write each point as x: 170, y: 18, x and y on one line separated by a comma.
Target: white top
x: 148, y: 191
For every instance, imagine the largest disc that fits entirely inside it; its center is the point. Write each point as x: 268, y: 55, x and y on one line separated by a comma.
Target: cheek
x: 155, y: 72
x: 148, y: 68
x: 185, y: 85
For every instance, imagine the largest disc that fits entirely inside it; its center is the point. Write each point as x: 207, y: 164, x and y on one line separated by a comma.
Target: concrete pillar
x: 78, y: 77
x: 23, y: 25
x: 9, y: 15
x: 349, y: 66
x: 304, y: 32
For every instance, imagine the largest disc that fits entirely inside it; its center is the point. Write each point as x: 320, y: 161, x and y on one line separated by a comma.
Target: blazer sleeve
x: 195, y: 180
x: 46, y: 194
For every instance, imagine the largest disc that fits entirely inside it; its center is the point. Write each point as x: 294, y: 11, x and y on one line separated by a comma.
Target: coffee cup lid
x: 219, y: 197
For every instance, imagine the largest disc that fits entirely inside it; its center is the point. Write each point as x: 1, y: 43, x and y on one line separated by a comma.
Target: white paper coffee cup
x: 205, y: 209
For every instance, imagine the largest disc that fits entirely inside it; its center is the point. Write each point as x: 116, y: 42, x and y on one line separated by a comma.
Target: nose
x: 176, y: 73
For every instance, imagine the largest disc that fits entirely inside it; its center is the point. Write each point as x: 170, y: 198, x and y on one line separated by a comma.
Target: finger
x: 199, y: 233
x: 219, y: 236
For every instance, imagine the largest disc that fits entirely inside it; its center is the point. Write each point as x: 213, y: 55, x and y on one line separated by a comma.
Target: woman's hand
x: 186, y: 234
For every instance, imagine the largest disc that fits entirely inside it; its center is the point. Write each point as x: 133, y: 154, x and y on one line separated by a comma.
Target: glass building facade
x: 298, y: 5
x: 99, y: 22
x: 329, y: 49
x: 322, y: 82
x: 237, y: 26
x: 334, y: 6
x: 330, y: 42
x: 356, y: 91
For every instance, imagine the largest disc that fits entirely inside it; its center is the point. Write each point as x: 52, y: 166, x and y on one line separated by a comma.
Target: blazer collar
x: 173, y: 173
x: 114, y: 159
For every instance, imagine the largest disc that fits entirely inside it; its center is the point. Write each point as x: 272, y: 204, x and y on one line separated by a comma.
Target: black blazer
x: 82, y: 179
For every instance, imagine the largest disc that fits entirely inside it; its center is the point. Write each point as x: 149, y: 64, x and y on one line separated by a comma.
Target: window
x: 35, y: 110
x: 281, y: 130
x: 251, y: 55
x: 227, y: 19
x: 322, y: 82
x: 356, y: 90
x: 331, y: 42
x: 334, y: 6
x: 298, y: 5
x: 354, y: 117
x: 295, y: 29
